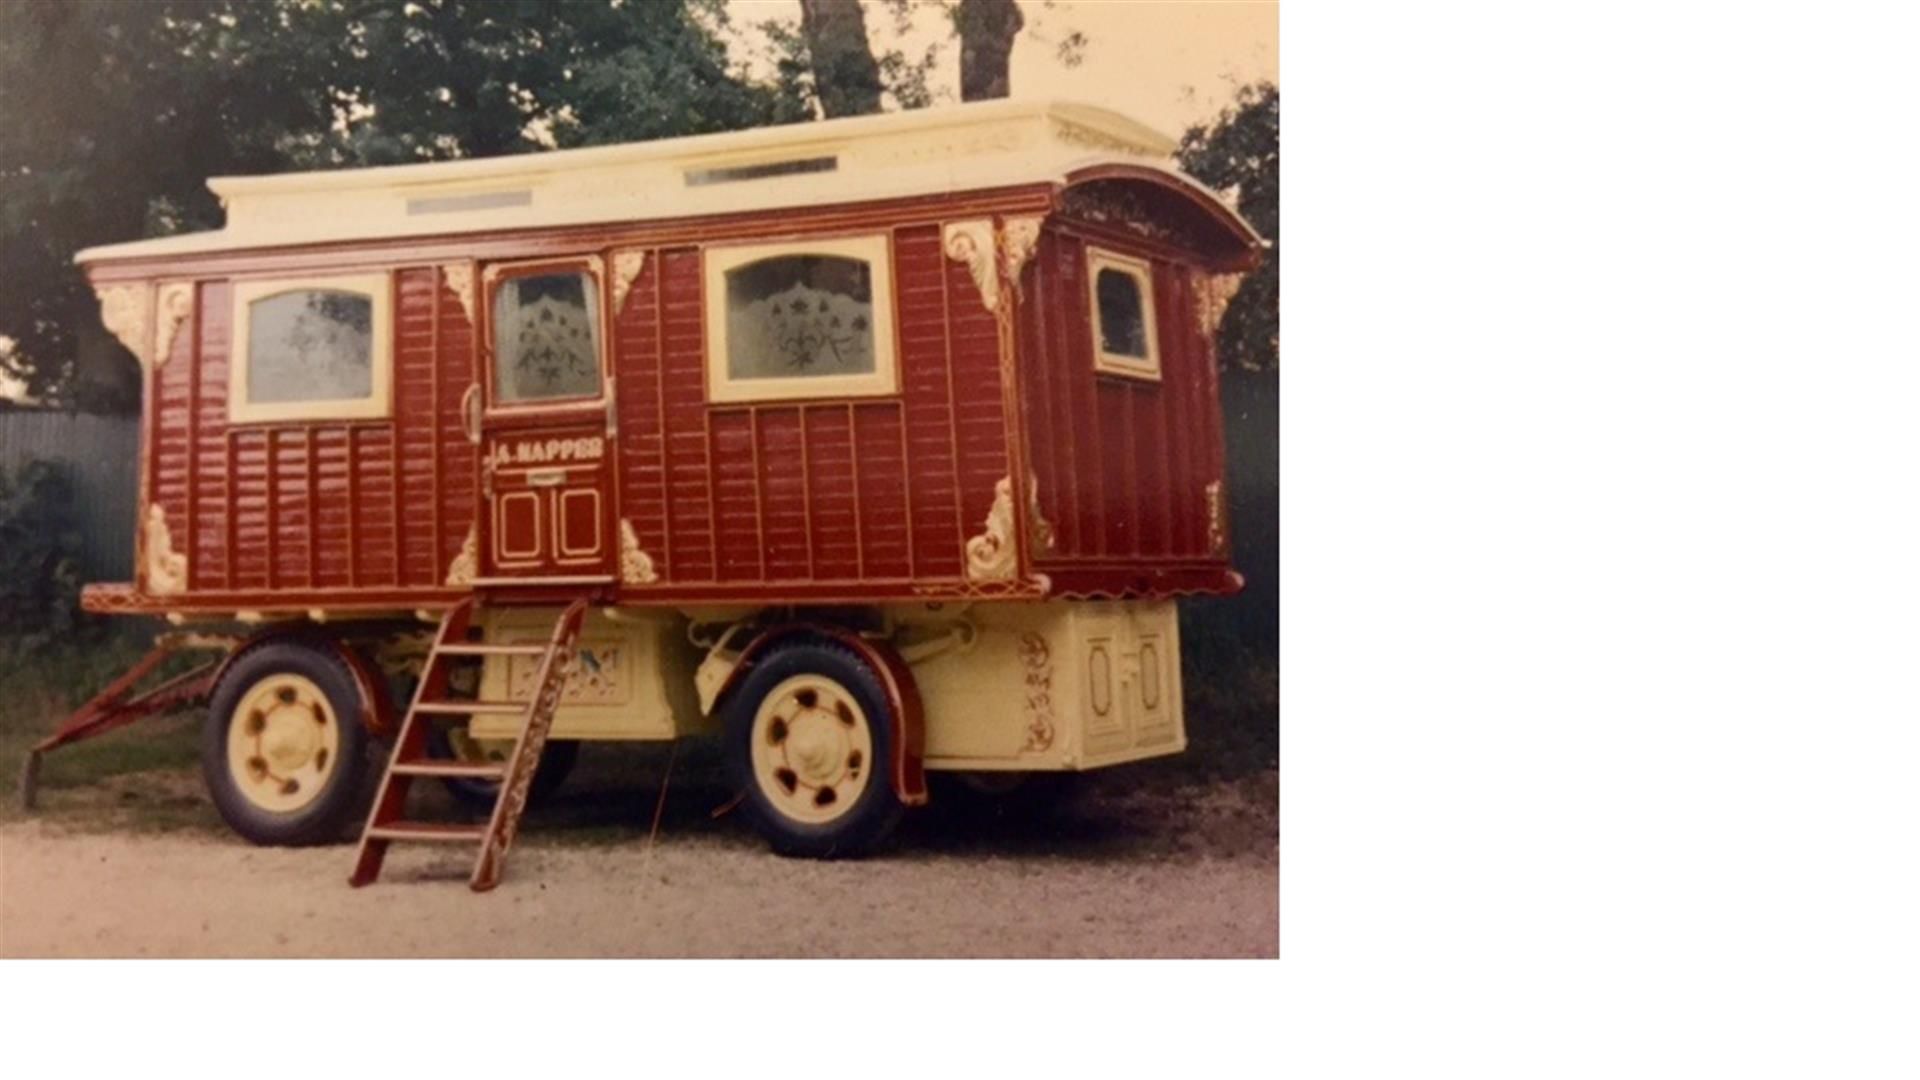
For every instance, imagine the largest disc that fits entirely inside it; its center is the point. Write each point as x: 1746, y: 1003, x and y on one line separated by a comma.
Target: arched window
x: 1121, y: 296
x: 800, y: 320
x: 312, y: 349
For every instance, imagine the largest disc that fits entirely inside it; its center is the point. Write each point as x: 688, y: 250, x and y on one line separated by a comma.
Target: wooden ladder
x: 387, y: 823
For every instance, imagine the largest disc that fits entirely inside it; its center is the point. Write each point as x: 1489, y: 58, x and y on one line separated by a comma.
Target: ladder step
x: 430, y: 831
x: 471, y: 708
x: 451, y: 770
x: 479, y: 649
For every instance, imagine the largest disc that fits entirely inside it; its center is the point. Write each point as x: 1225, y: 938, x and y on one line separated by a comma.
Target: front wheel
x: 809, y: 736
x: 284, y: 752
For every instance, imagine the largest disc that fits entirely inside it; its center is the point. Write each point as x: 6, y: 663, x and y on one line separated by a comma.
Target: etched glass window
x: 1123, y: 319
x: 546, y: 331
x: 310, y: 345
x: 800, y: 316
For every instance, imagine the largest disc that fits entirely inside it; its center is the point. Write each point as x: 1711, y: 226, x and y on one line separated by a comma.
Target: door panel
x: 546, y: 425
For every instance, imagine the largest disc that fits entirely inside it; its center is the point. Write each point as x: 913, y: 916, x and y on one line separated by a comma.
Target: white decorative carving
x: 126, y: 312
x: 627, y: 264
x: 1211, y: 295
x: 1038, y: 660
x: 459, y: 278
x: 1094, y: 140
x: 636, y: 566
x: 466, y: 565
x: 971, y: 242
x: 176, y: 303
x: 166, y: 568
x: 991, y: 555
x: 1019, y: 237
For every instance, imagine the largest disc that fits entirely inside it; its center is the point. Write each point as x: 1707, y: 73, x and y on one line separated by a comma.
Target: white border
x: 1141, y: 271
x: 875, y: 250
x: 379, y: 400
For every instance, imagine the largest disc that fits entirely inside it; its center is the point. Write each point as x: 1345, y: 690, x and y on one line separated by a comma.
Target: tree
x: 845, y: 74
x: 987, y: 29
x: 117, y: 113
x: 1239, y: 154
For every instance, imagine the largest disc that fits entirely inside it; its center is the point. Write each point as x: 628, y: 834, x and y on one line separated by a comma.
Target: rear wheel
x: 809, y: 735
x: 284, y: 752
x: 557, y: 759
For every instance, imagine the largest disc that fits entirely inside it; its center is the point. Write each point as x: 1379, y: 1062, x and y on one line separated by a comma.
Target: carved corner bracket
x: 466, y: 565
x: 127, y: 313
x: 627, y: 264
x: 459, y: 278
x: 1211, y: 295
x: 636, y: 566
x: 991, y: 556
x: 166, y: 568
x: 971, y: 243
x: 175, y: 304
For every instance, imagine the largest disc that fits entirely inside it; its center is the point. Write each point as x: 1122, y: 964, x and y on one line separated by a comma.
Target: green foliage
x: 1239, y: 154
x: 118, y: 112
x: 40, y: 546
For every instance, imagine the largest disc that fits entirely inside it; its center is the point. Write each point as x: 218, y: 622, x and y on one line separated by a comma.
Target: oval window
x: 1099, y: 680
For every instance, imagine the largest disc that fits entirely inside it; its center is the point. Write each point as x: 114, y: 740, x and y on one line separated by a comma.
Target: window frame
x: 1141, y: 271
x: 496, y: 273
x: 377, y: 405
x: 874, y: 249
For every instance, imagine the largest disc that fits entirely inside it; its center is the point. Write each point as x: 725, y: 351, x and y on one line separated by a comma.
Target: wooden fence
x: 101, y: 457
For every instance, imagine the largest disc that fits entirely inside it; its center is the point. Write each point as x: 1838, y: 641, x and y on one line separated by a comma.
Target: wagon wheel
x: 810, y: 736
x: 284, y: 753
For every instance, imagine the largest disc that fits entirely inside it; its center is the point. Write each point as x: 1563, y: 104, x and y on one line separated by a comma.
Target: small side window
x: 800, y: 320
x: 1121, y: 299
x: 314, y: 349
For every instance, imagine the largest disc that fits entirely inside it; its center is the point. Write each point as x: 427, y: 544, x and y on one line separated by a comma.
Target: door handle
x: 470, y: 413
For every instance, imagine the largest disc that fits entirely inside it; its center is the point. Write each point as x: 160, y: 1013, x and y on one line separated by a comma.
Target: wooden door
x: 548, y: 511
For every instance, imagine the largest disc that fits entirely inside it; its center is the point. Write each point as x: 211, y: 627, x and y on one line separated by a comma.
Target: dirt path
x: 1189, y: 873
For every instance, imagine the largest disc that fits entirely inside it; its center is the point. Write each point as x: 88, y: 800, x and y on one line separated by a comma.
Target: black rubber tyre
x: 556, y: 764
x: 342, y: 800
x: 873, y: 813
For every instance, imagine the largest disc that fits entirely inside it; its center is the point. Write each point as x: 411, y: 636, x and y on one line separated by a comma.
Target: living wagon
x: 875, y: 446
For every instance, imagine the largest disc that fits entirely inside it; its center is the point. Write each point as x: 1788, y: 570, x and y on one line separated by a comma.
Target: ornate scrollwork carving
x: 1211, y: 295
x: 991, y: 555
x: 459, y: 278
x: 971, y: 242
x: 1037, y: 658
x: 176, y: 303
x: 466, y: 565
x: 126, y: 311
x: 166, y: 568
x: 627, y: 264
x: 636, y: 566
x: 1019, y: 237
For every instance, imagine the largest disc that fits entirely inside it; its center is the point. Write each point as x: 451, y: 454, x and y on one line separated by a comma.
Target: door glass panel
x: 546, y: 331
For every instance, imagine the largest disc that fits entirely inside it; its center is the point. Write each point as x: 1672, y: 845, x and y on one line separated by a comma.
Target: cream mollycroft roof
x: 923, y: 152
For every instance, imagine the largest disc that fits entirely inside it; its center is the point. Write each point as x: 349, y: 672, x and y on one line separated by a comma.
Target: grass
x: 86, y: 783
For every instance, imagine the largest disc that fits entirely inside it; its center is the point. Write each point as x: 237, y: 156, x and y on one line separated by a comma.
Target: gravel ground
x: 1123, y: 869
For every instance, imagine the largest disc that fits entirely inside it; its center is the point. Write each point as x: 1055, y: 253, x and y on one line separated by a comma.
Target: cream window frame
x: 377, y: 405
x: 875, y: 250
x: 1141, y: 271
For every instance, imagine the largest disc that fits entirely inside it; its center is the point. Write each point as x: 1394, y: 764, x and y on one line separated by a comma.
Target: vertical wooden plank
x: 313, y: 502
x: 353, y: 506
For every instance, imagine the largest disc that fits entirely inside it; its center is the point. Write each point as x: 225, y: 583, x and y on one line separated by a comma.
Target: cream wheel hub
x: 812, y: 749
x: 283, y: 743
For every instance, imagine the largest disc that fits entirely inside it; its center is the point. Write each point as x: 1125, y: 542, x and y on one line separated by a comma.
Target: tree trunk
x: 845, y: 75
x: 987, y: 29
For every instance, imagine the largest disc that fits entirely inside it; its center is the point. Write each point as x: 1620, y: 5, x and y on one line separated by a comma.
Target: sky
x: 1167, y: 63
